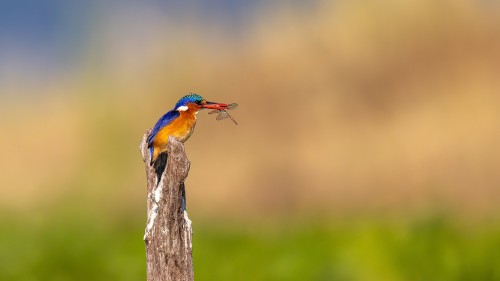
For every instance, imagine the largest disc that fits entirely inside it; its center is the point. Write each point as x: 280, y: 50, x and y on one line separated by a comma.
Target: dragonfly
x: 223, y: 114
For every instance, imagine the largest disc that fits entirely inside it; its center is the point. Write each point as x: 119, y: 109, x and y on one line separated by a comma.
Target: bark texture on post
x: 168, y: 231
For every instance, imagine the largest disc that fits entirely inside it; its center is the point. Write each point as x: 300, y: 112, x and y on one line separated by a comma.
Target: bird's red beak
x: 214, y: 105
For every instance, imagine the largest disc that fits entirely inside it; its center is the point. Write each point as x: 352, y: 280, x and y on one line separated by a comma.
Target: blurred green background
x: 368, y: 143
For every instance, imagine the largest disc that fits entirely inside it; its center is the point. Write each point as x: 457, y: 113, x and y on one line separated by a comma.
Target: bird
x: 178, y: 123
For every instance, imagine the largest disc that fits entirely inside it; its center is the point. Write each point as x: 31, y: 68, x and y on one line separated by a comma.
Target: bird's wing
x: 162, y: 122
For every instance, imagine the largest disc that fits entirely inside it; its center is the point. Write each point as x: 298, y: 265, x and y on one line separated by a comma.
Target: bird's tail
x: 152, y: 155
x: 159, y: 164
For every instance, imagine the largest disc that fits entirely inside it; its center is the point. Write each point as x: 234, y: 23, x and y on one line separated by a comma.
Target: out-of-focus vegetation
x: 357, y: 119
x: 75, y: 247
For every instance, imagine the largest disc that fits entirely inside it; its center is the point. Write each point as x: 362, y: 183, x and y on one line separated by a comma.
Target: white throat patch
x: 182, y: 108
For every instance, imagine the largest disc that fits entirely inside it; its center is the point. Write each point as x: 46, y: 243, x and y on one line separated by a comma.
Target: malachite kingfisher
x: 178, y: 122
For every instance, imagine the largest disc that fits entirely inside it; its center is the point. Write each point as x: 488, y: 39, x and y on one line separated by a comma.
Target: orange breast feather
x: 181, y: 128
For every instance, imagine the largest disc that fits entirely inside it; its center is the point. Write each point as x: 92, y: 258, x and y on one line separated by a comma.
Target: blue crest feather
x: 187, y: 99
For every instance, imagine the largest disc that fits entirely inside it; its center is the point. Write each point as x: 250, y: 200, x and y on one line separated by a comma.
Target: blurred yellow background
x: 347, y: 109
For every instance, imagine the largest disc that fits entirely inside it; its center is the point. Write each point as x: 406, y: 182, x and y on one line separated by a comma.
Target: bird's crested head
x: 197, y: 102
x: 183, y: 103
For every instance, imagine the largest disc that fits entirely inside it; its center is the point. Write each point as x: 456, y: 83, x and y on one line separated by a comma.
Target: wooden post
x: 168, y: 233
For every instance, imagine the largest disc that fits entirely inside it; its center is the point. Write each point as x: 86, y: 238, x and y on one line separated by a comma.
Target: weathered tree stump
x: 168, y: 233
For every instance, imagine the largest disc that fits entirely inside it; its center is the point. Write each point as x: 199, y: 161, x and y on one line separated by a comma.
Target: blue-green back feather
x: 166, y: 119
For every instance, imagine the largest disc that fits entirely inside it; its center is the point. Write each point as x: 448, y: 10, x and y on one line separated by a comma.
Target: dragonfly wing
x: 222, y: 115
x: 232, y: 106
